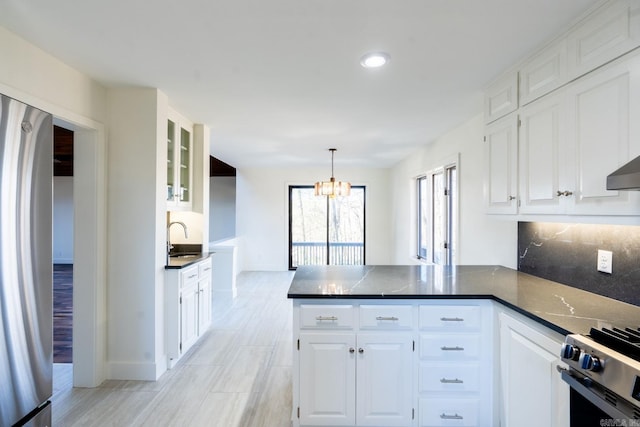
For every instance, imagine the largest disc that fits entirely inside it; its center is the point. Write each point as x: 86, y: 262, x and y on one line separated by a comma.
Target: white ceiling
x: 279, y: 81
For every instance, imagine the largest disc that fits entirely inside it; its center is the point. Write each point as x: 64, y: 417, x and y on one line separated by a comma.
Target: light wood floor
x: 238, y: 374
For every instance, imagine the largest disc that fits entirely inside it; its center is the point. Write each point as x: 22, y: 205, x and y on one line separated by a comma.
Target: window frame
x: 291, y: 188
x: 425, y: 249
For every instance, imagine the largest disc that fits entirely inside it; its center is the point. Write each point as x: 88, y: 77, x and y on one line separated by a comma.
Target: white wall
x: 137, y: 224
x: 222, y: 216
x: 262, y: 215
x: 484, y: 239
x: 63, y: 220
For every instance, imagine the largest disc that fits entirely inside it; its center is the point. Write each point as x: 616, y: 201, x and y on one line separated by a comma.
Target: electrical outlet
x: 605, y: 260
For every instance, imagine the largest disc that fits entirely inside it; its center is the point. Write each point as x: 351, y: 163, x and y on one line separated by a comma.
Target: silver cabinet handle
x: 393, y: 318
x: 451, y: 417
x: 565, y: 193
x: 449, y: 381
x: 192, y: 276
x: 361, y: 350
x: 321, y: 318
x: 512, y: 197
x: 352, y: 350
x: 456, y: 348
x: 452, y: 319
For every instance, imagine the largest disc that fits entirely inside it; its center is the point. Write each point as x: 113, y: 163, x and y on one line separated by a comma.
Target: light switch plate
x: 605, y: 261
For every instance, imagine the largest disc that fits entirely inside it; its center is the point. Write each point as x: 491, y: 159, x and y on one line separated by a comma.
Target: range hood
x: 625, y: 178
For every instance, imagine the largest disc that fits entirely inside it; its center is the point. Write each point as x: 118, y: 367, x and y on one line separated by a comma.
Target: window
x: 437, y: 213
x: 326, y: 231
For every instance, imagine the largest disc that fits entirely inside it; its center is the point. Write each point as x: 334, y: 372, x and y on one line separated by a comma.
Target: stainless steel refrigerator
x: 26, y: 291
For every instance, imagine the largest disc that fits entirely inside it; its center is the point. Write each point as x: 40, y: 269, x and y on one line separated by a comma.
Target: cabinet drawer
x: 386, y: 317
x: 450, y: 347
x: 189, y: 275
x: 459, y: 318
x: 447, y: 377
x: 326, y: 316
x: 204, y: 268
x: 448, y: 412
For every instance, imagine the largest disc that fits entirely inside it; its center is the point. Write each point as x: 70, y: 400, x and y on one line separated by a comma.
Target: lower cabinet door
x: 448, y: 412
x: 533, y: 394
x: 384, y: 379
x: 189, y: 316
x: 327, y: 379
x: 204, y: 305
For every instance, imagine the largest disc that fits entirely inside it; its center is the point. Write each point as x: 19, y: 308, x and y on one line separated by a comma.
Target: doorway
x: 326, y: 230
x: 63, y: 217
x: 62, y: 245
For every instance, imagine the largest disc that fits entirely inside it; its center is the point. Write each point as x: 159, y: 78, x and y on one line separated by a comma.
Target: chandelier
x: 332, y: 188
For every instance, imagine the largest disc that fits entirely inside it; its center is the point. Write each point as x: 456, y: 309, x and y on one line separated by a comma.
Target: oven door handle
x: 576, y: 384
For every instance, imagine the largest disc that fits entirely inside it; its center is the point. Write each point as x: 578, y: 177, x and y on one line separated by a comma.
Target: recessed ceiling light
x: 374, y: 59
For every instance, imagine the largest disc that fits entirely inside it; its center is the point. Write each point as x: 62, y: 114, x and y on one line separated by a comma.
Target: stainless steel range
x: 604, y: 376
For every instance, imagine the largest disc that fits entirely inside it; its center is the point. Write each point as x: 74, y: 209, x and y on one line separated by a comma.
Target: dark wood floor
x: 62, y: 312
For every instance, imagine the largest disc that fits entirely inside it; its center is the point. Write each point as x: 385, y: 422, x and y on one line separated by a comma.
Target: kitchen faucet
x: 169, y: 245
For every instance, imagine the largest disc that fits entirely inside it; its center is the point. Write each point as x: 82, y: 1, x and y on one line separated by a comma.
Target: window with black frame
x: 325, y: 230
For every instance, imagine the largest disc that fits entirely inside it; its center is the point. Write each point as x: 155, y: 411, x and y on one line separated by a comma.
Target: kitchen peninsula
x: 429, y: 345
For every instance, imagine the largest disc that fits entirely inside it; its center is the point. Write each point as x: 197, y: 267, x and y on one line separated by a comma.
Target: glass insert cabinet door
x: 324, y: 230
x: 179, y: 159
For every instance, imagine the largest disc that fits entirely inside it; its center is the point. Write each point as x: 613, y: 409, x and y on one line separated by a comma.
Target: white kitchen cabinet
x: 602, y: 135
x: 354, y: 365
x: 179, y: 162
x: 607, y: 33
x: 501, y: 171
x: 455, y: 368
x: 501, y: 97
x: 327, y: 379
x: 355, y: 380
x: 544, y: 72
x: 541, y: 138
x: 204, y: 296
x: 532, y: 392
x: 567, y: 143
x: 384, y: 378
x: 187, y: 307
x: 189, y: 314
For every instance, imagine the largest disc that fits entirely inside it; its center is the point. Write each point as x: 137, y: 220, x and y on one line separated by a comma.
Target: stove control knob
x: 569, y: 352
x: 590, y: 362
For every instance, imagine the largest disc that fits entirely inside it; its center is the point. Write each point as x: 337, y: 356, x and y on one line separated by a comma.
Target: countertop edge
x: 180, y: 263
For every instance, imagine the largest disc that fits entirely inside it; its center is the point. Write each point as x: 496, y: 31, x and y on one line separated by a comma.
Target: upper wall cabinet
x: 576, y: 100
x: 609, y: 32
x: 501, y: 159
x: 501, y: 98
x: 179, y: 162
x: 567, y: 142
x: 541, y: 136
x: 602, y: 135
x: 544, y: 72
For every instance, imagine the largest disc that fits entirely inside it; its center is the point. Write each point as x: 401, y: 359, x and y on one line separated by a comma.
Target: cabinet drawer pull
x: 449, y: 381
x: 361, y: 350
x: 192, y: 276
x: 451, y: 417
x: 207, y: 269
x: 456, y: 348
x: 393, y: 318
x: 452, y: 319
x: 321, y: 318
x: 352, y: 350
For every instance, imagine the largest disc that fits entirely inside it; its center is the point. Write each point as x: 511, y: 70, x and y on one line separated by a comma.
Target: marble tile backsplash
x: 567, y: 253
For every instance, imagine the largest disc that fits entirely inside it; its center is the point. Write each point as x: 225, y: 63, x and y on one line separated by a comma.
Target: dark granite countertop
x: 185, y: 260
x: 562, y: 308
